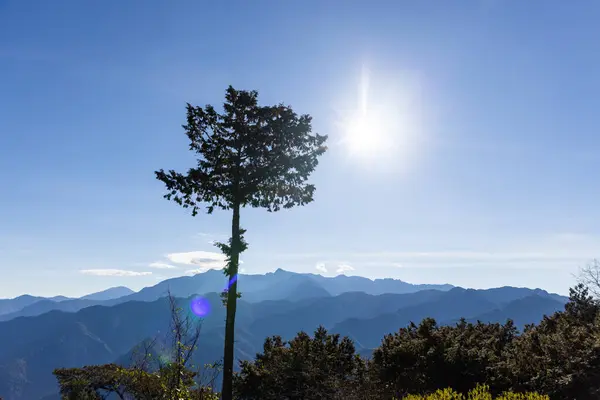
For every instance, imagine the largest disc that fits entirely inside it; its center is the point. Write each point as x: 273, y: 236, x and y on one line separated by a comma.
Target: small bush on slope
x: 479, y: 393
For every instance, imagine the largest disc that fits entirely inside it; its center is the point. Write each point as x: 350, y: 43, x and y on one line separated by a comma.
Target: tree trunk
x: 227, y: 390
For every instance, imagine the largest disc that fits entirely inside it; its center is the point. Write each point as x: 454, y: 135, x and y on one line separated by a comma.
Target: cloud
x: 203, y: 260
x: 342, y: 268
x: 559, y: 257
x: 113, y: 272
x: 194, y: 271
x: 160, y: 265
x: 321, y: 267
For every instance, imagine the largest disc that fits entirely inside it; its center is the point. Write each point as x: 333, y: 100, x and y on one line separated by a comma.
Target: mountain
x: 522, y: 311
x: 342, y: 283
x: 488, y: 306
x: 44, y: 305
x: 109, y: 294
x: 507, y: 294
x: 31, y: 347
x: 27, y: 305
x: 276, y: 285
x: 330, y: 311
x: 8, y: 306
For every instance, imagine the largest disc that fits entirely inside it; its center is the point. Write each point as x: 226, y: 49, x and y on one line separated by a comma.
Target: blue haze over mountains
x: 38, y: 335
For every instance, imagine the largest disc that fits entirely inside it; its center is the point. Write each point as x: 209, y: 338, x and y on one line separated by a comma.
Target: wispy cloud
x: 554, y: 247
x: 194, y: 271
x: 343, y: 268
x: 442, y: 255
x: 321, y: 267
x: 161, y: 265
x: 113, y: 272
x: 203, y: 260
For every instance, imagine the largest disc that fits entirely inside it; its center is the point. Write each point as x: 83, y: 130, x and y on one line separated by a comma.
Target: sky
x: 477, y: 165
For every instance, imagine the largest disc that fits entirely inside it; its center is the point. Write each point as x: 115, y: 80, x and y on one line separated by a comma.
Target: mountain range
x: 94, y: 331
x: 10, y: 306
x: 276, y: 285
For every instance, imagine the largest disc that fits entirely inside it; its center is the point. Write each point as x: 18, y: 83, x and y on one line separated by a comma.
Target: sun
x: 380, y: 130
x: 366, y: 134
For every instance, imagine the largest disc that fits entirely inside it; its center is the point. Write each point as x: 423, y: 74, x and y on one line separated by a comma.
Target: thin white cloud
x: 113, y: 272
x: 467, y: 255
x: 161, y: 265
x: 342, y: 268
x: 321, y: 267
x: 203, y: 260
x: 562, y: 246
x: 194, y: 271
x: 456, y: 258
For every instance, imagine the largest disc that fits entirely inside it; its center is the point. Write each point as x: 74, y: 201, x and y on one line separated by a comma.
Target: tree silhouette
x: 250, y: 155
x: 324, y: 366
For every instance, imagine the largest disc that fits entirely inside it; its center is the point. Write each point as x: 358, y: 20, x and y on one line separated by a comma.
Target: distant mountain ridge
x: 37, y: 305
x: 256, y: 288
x: 8, y: 306
x: 109, y: 294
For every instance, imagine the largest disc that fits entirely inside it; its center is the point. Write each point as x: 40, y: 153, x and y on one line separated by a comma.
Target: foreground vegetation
x: 558, y: 358
x: 479, y: 393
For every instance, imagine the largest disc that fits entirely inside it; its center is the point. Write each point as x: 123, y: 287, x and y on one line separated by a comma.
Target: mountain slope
x: 8, y: 306
x: 109, y: 294
x: 329, y: 311
x: 522, y: 311
x: 448, y: 308
x: 342, y: 284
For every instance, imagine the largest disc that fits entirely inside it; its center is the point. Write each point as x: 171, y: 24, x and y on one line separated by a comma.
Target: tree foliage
x: 251, y: 155
x: 248, y: 155
x: 561, y: 355
x: 98, y: 382
x: 324, y: 366
x: 173, y: 379
x: 425, y: 357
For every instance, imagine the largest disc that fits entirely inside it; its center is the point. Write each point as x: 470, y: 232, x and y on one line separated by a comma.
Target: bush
x: 479, y: 393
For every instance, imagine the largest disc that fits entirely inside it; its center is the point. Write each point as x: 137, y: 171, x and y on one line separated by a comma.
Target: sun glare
x: 377, y: 130
x: 365, y: 134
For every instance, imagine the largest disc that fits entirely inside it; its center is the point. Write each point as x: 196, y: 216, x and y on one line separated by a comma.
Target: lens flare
x: 200, y: 306
x: 232, y: 281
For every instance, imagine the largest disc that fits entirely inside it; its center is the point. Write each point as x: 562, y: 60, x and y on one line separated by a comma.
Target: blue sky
x: 489, y: 110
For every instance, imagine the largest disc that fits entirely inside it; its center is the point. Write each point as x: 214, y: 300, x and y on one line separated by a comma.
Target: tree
x: 426, y: 357
x: 322, y: 367
x: 170, y: 380
x: 589, y: 276
x: 249, y: 155
x: 560, y: 356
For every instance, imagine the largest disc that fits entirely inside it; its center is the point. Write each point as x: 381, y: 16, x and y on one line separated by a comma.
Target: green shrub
x: 479, y: 393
